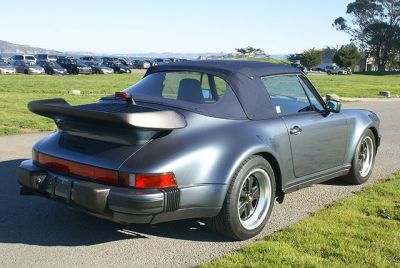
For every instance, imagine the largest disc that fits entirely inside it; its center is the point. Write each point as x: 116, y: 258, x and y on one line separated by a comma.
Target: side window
x: 317, y: 106
x: 174, y: 82
x: 287, y: 94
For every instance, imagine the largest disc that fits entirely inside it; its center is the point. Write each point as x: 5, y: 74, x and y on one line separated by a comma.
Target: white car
x: 26, y: 58
x: 334, y: 70
x: 6, y: 69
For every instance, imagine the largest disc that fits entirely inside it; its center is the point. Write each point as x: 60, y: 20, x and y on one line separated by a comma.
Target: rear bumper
x: 84, y: 71
x: 118, y: 204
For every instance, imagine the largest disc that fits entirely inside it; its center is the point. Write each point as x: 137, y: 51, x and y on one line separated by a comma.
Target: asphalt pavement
x: 36, y: 232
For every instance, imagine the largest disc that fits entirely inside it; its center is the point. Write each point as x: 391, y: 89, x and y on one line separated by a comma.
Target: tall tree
x: 310, y: 58
x: 242, y: 51
x: 347, y: 56
x: 293, y: 58
x: 375, y: 25
x: 248, y: 50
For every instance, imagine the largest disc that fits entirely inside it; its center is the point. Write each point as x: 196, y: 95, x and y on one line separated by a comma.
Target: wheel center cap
x: 250, y: 197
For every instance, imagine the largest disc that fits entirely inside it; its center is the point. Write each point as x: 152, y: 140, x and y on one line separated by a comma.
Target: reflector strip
x: 81, y: 170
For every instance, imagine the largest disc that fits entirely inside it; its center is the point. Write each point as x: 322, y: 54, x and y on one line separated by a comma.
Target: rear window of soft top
x: 192, y: 87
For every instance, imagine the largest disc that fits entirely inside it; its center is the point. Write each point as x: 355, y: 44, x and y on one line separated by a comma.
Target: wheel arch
x: 272, y: 160
x: 277, y: 171
x: 376, y: 136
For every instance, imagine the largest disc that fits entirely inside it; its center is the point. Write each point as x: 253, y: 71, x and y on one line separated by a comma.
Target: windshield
x: 89, y: 63
x: 29, y: 58
x: 191, y: 87
x: 54, y: 64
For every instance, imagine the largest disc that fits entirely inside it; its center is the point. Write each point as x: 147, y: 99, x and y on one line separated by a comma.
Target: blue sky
x: 122, y: 26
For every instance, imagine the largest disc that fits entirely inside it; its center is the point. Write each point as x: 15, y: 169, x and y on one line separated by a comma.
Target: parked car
x: 89, y: 58
x: 6, y: 68
x: 26, y: 58
x: 46, y: 57
x: 300, y: 67
x: 159, y: 61
x: 99, y: 68
x: 27, y: 67
x: 52, y: 67
x: 127, y: 62
x: 117, y: 67
x: 141, y: 64
x: 74, y: 66
x: 107, y: 59
x: 65, y: 57
x: 335, y: 70
x: 203, y: 139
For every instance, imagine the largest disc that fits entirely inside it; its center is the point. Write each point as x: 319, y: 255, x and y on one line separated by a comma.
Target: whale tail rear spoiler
x: 115, y: 114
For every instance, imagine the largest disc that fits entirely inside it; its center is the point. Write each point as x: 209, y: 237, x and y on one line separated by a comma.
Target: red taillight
x: 159, y: 180
x: 81, y: 170
x: 123, y: 95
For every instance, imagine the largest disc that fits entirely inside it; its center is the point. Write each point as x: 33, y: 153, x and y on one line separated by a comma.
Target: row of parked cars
x: 330, y: 69
x: 53, y: 64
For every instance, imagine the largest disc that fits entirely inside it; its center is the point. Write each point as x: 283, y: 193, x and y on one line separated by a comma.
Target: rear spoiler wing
x: 148, y: 118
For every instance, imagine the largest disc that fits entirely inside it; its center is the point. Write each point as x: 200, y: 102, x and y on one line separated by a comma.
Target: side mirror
x: 333, y: 106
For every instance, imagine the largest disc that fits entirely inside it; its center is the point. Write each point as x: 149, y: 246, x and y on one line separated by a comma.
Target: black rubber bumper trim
x: 95, y: 197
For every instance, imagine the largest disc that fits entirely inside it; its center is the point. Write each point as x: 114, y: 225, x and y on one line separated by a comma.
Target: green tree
x: 375, y: 25
x: 310, y: 58
x: 347, y: 56
x: 293, y: 58
x: 248, y: 50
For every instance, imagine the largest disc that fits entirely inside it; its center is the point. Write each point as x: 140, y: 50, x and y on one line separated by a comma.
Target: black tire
x: 26, y: 71
x: 355, y: 175
x: 228, y: 222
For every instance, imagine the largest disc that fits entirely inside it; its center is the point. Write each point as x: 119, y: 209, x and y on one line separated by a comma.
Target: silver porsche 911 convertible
x: 220, y: 140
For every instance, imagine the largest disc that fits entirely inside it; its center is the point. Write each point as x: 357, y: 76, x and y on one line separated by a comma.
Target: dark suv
x: 74, y: 66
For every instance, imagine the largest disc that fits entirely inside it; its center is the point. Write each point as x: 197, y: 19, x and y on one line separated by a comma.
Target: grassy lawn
x: 17, y: 90
x: 358, y: 231
x: 356, y: 85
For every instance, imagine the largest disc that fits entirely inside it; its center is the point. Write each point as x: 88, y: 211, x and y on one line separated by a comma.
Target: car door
x: 318, y: 139
x: 19, y: 66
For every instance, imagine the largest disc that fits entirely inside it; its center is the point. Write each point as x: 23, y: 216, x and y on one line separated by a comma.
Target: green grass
x: 17, y: 90
x: 356, y: 85
x: 358, y: 231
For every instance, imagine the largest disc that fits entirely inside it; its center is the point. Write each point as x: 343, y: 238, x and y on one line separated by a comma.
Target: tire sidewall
x: 233, y: 198
x: 355, y: 168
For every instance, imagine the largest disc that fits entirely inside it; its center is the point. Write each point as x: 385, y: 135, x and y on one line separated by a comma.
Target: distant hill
x: 7, y: 47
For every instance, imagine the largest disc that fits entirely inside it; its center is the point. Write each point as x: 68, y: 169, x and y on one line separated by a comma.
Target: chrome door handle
x: 295, y: 130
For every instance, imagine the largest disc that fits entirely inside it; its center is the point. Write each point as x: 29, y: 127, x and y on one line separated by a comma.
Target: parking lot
x: 35, y: 232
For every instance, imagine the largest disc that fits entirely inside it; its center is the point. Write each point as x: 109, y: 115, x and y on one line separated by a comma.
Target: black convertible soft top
x: 226, y: 67
x: 244, y: 77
